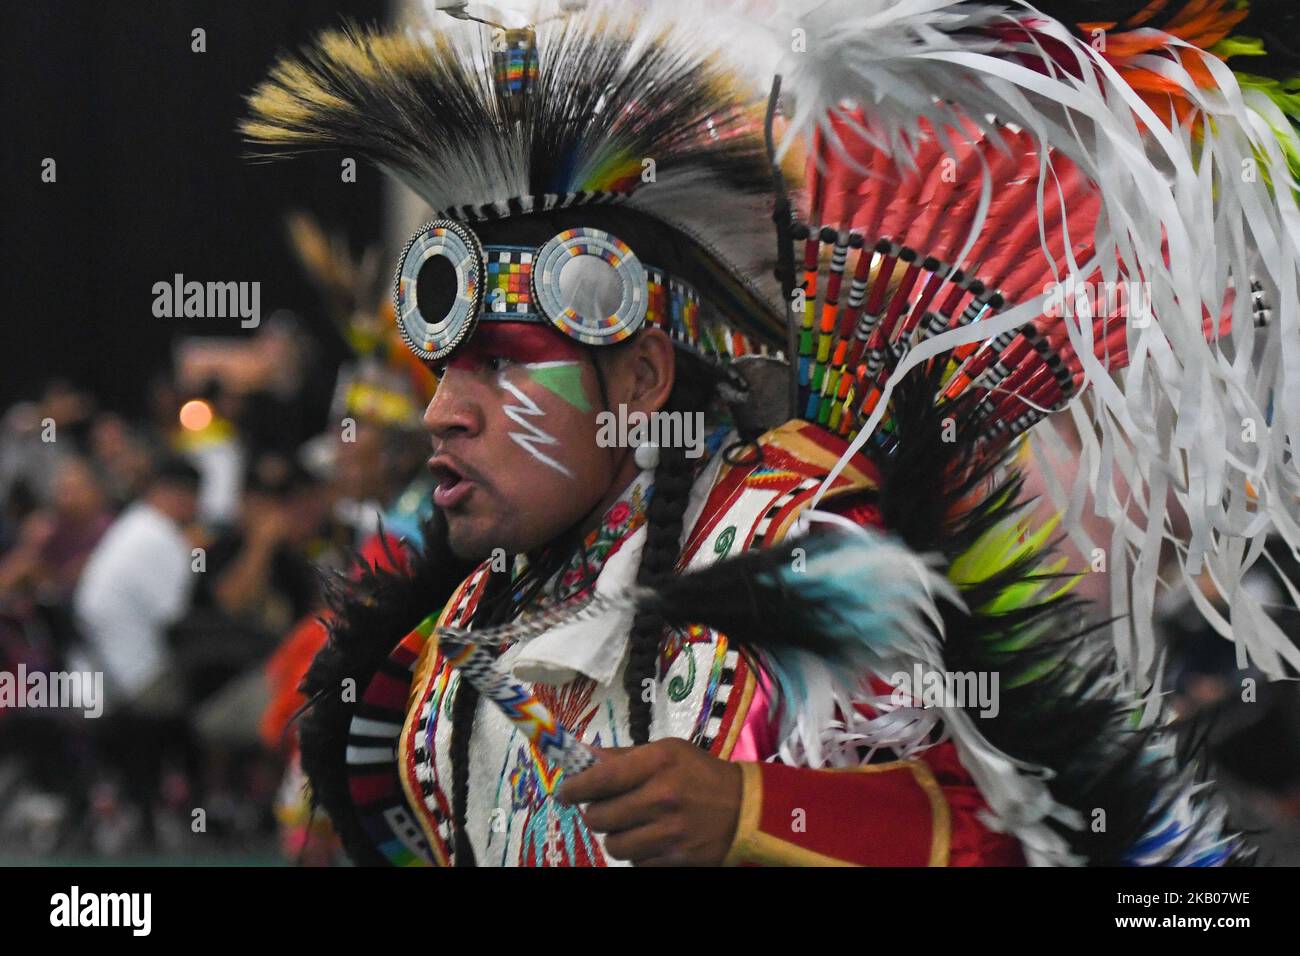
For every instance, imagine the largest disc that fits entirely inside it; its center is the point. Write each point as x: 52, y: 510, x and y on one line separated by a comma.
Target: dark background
x: 152, y: 180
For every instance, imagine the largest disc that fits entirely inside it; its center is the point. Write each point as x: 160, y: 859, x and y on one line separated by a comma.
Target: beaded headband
x: 584, y: 282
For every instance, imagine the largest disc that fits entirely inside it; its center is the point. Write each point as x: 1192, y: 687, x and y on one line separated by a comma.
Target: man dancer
x: 604, y: 194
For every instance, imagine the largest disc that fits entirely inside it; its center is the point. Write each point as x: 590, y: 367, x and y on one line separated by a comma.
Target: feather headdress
x: 593, y: 108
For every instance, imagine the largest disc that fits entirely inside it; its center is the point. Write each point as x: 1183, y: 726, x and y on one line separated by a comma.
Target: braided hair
x: 673, y: 480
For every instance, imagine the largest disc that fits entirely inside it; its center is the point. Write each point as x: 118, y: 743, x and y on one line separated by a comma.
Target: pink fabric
x: 757, y: 739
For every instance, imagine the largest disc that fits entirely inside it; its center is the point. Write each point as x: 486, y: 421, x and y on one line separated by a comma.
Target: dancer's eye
x: 472, y: 363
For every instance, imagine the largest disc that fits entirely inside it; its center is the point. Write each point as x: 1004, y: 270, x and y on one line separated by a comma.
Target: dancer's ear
x: 642, y: 371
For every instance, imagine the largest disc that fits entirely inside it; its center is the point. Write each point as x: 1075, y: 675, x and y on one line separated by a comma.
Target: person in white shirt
x: 137, y: 583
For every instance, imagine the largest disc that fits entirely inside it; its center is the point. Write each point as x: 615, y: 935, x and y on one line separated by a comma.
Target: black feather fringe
x: 369, y: 617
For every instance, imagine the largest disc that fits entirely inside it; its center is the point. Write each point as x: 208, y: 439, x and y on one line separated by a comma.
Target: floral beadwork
x: 626, y: 515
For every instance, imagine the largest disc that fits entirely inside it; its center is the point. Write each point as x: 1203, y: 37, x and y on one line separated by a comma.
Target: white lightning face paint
x: 533, y: 435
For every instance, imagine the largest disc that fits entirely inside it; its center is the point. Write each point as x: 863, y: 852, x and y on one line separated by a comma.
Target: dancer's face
x: 514, y: 428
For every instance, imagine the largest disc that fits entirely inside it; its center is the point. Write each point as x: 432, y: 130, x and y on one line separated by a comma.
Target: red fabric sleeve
x: 920, y: 812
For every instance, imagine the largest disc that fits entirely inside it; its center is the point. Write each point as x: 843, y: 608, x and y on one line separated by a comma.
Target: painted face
x: 514, y: 439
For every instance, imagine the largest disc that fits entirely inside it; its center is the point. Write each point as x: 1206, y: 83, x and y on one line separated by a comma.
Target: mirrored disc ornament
x: 439, y: 288
x: 590, y: 286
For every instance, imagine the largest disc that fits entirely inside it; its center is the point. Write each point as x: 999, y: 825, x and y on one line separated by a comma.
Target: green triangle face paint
x: 562, y: 378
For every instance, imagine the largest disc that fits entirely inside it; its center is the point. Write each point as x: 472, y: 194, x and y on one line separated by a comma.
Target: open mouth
x: 453, y: 484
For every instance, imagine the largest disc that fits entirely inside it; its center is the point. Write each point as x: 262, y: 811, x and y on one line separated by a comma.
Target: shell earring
x: 646, y: 456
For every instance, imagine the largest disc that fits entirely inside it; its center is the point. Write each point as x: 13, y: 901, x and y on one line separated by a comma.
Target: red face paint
x: 520, y: 342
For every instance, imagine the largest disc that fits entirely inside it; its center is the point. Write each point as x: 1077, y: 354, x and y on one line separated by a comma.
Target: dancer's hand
x: 665, y: 803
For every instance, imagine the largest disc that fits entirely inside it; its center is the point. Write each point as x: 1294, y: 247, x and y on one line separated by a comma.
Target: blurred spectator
x: 257, y: 582
x: 37, y: 578
x: 137, y: 583
x: 121, y: 456
x: 164, y: 404
x: 36, y: 436
x: 258, y: 572
x: 373, y: 464
x: 55, y: 542
x: 19, y: 502
x: 287, y: 402
x: 26, y: 462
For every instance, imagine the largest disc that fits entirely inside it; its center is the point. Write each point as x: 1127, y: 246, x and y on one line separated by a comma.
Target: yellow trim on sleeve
x: 941, y: 814
x: 751, y: 811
